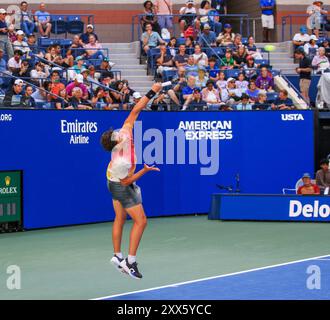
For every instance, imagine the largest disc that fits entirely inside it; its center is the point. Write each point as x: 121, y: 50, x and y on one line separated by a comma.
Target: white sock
x: 119, y: 255
x: 131, y: 259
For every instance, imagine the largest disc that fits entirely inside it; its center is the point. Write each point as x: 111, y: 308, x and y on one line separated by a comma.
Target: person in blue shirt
x: 267, y: 18
x: 282, y: 102
x: 220, y: 6
x: 245, y: 103
x: 208, y: 37
x: 42, y: 18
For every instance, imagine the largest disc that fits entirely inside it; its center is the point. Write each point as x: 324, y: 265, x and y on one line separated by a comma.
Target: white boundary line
x: 211, y: 278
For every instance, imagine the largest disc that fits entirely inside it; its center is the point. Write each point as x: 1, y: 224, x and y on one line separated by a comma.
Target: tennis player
x: 126, y: 195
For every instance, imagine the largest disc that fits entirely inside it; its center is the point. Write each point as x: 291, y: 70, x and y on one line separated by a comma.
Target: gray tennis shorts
x: 128, y: 196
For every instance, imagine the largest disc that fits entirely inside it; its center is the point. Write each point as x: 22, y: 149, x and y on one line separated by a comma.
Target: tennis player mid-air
x: 126, y: 195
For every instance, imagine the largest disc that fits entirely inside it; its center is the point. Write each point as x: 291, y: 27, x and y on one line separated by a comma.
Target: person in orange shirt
x: 56, y: 86
x: 308, y: 187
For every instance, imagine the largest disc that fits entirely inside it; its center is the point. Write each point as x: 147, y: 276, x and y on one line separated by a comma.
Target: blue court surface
x: 307, y: 279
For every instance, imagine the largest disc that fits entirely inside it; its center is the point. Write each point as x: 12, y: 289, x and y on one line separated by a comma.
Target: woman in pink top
x: 126, y: 195
x: 92, y: 48
x: 164, y: 10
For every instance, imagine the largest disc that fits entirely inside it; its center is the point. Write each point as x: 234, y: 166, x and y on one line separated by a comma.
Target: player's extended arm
x: 129, y: 180
x: 141, y: 105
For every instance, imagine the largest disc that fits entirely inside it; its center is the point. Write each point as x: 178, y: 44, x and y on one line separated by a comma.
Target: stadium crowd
x: 209, y: 67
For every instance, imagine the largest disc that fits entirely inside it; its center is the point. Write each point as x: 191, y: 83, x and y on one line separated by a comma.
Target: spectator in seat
x: 208, y: 37
x: 226, y: 37
x: 68, y: 60
x: 265, y: 81
x: 12, y: 34
x: 56, y: 86
x: 164, y: 10
x: 188, y: 90
x: 323, y: 175
x: 283, y: 102
x: 213, y: 70
x: 181, y: 58
x: 20, y: 44
x: 321, y: 61
x: 31, y: 42
x: 76, y: 69
x: 210, y: 94
x: 240, y: 57
x: 301, y: 38
x: 222, y: 82
x: 14, y: 63
x: 77, y: 83
x: 228, y: 61
x: 172, y: 46
x: 220, y: 6
x: 159, y: 103
x: 24, y: 71
x: 190, y: 45
x: 191, y: 67
x: 252, y: 50
x: 188, y: 16
x: 179, y: 82
x: 42, y: 19
x: 230, y: 95
x: 53, y: 56
x: 308, y: 187
x: 261, y: 103
x: 267, y: 18
x: 77, y: 47
x: 14, y: 97
x: 164, y: 60
x: 150, y: 17
x: 150, y: 39
x: 305, y: 73
x: 84, y: 37
x: 252, y: 91
x: 244, y: 104
x: 62, y: 103
x: 28, y: 100
x: 250, y: 68
x: 200, y: 57
x: 39, y: 72
x: 77, y: 100
x: 41, y: 94
x: 202, y: 78
x: 196, y: 101
x: 106, y: 65
x: 27, y: 20
x: 237, y: 43
x: 93, y: 48
x: 241, y: 83
x: 311, y: 45
x: 102, y: 97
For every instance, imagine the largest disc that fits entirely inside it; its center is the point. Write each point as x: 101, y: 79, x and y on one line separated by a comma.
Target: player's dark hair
x: 107, y: 143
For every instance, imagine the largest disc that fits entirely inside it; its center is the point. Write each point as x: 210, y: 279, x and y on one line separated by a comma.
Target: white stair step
x: 134, y: 72
x: 131, y: 67
x: 122, y: 55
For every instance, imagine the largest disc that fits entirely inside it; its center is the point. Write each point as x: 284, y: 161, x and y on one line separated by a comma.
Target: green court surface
x: 73, y: 262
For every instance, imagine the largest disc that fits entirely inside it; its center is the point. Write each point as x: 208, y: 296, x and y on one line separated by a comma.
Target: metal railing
x: 297, y: 18
x: 241, y: 18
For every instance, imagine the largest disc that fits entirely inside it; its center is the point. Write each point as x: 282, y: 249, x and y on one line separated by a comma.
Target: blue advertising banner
x: 270, y: 208
x: 65, y: 166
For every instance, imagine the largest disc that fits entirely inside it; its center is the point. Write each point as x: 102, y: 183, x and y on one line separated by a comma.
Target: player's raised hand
x: 150, y: 168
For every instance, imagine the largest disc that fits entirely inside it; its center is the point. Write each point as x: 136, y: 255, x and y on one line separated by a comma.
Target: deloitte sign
x: 309, y: 210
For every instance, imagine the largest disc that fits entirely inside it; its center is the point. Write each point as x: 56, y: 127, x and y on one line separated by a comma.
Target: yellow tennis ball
x: 270, y: 47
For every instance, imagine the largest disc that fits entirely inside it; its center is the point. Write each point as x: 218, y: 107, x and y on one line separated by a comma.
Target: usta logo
x: 292, y: 117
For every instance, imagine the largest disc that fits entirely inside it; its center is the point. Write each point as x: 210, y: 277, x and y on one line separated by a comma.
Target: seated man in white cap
x: 14, y: 96
x: 20, y: 44
x: 84, y: 37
